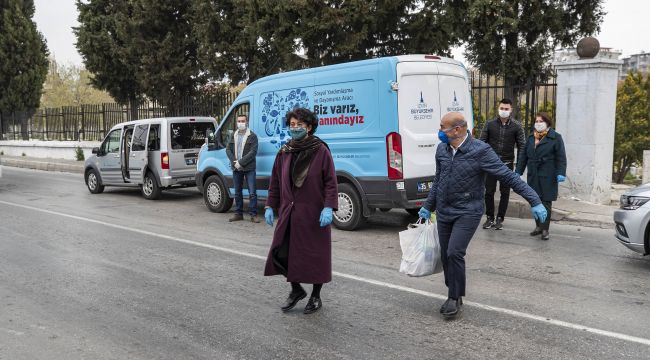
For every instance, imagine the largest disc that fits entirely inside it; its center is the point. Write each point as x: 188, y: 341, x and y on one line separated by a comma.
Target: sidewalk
x: 565, y: 211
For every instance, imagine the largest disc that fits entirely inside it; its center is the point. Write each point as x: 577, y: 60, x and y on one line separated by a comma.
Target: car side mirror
x: 96, y: 151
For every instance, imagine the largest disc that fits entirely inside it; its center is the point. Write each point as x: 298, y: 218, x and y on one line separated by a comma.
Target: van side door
x: 109, y: 158
x: 139, y: 154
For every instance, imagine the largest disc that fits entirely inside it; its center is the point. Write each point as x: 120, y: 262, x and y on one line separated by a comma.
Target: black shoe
x: 313, y: 305
x: 545, y: 235
x: 293, y: 299
x: 536, y: 232
x: 499, y: 224
x: 236, y: 217
x: 255, y: 219
x: 443, y: 308
x: 488, y: 223
x: 454, y: 306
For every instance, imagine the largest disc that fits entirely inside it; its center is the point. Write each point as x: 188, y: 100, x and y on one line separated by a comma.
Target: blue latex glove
x: 325, y: 217
x: 424, y: 213
x: 268, y: 216
x: 539, y: 213
x: 561, y: 178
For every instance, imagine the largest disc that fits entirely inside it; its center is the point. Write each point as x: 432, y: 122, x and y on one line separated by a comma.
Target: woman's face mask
x: 540, y: 126
x: 297, y: 133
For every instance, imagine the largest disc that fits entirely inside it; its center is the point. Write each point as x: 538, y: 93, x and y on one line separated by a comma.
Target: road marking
x: 384, y: 284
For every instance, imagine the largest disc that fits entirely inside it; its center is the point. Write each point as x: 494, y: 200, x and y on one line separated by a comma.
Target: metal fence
x: 531, y: 98
x: 91, y: 122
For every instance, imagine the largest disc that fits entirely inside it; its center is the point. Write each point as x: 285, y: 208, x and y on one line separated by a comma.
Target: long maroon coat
x: 310, y: 245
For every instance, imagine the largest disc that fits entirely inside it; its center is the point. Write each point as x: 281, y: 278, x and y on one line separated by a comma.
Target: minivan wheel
x: 215, y: 195
x: 349, y: 215
x: 93, y: 183
x: 150, y: 188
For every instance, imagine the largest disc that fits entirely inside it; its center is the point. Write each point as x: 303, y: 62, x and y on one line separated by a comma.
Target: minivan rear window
x: 189, y: 135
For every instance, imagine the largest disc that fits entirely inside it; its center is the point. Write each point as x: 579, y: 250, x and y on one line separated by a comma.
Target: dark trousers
x: 546, y: 224
x: 238, y: 180
x: 454, y: 238
x: 490, y: 189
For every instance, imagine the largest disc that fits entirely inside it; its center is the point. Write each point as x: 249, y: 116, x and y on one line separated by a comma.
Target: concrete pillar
x: 585, y: 117
x: 646, y: 166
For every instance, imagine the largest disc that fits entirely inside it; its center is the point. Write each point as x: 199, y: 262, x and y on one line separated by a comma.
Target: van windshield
x: 189, y: 135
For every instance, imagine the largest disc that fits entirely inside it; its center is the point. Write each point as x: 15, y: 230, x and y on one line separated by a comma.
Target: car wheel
x: 150, y: 188
x: 92, y: 181
x: 349, y: 215
x: 215, y: 195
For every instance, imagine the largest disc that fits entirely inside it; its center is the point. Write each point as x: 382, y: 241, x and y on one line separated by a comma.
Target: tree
x: 23, y: 60
x: 105, y: 42
x: 70, y: 85
x: 244, y: 40
x: 166, y: 48
x: 632, y: 124
x: 515, y: 39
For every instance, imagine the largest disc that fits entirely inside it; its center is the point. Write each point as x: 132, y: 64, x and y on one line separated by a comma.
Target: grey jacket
x: 459, y: 185
x: 248, y: 159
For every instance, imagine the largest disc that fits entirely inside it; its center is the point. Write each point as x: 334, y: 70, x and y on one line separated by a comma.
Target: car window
x: 189, y: 135
x: 139, y: 137
x: 112, y: 142
x: 154, y: 137
x: 230, y: 123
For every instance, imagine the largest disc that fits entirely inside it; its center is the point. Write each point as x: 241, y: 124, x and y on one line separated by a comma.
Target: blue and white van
x: 380, y: 118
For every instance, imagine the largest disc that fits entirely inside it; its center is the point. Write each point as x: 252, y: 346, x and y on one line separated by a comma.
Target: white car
x: 633, y: 219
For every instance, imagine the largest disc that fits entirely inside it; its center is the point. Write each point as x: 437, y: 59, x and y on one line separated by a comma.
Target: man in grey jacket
x: 457, y: 197
x: 241, y: 151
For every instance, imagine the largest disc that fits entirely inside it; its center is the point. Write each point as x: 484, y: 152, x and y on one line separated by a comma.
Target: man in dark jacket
x: 241, y: 151
x: 503, y: 134
x: 457, y: 196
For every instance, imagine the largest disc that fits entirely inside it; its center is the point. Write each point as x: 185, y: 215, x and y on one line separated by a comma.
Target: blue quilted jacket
x: 459, y: 186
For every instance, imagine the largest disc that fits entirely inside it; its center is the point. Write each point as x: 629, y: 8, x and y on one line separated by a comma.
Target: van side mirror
x: 211, y: 140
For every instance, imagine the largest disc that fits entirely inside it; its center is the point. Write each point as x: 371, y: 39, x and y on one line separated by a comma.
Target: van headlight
x: 633, y: 202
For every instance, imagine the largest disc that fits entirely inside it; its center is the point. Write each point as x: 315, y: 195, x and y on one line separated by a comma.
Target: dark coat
x: 310, y: 245
x: 459, y: 187
x: 544, y: 163
x: 504, y: 138
x: 248, y: 160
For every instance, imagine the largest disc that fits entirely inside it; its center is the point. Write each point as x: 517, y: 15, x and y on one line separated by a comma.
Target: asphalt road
x: 114, y: 276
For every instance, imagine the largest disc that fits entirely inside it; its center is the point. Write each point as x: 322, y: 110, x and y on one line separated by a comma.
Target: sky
x: 625, y: 27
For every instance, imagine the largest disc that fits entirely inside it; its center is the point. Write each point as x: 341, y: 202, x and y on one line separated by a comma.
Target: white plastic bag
x: 420, y: 249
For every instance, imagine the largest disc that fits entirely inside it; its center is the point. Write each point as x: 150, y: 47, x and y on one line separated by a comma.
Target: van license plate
x: 190, y: 161
x: 425, y: 186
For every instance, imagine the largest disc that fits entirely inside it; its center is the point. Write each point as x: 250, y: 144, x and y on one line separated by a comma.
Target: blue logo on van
x: 455, y: 105
x: 275, y: 106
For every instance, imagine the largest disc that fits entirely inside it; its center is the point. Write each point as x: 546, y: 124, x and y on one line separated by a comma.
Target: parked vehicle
x: 153, y: 154
x: 380, y: 118
x: 633, y: 219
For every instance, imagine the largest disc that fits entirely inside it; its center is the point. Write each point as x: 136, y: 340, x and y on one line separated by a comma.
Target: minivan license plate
x: 190, y: 161
x: 425, y: 186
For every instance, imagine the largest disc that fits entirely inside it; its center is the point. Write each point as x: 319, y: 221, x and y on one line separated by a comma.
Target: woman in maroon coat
x: 303, y: 190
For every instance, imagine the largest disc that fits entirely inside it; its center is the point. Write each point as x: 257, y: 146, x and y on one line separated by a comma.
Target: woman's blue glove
x: 539, y: 213
x: 561, y: 178
x: 424, y: 213
x: 325, y: 217
x: 268, y: 216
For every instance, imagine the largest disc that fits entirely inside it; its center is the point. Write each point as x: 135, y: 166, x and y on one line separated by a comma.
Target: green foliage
x: 23, y: 57
x: 515, y: 39
x: 243, y: 40
x: 632, y: 124
x: 70, y: 85
x: 79, y: 154
x: 24, y: 154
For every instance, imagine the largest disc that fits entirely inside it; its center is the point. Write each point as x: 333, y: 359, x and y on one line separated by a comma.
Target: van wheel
x: 215, y: 195
x: 349, y: 216
x: 413, y: 212
x: 150, y: 188
x: 93, y: 183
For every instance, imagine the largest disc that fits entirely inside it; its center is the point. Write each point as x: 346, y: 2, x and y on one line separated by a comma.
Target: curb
x: 43, y: 165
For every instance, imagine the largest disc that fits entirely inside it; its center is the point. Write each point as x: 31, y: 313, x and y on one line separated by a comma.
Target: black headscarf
x: 302, y: 151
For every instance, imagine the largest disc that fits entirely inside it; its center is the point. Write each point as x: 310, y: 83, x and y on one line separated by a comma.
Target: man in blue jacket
x: 457, y: 196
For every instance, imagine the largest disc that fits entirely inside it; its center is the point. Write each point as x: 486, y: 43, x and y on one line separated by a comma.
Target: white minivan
x: 153, y: 154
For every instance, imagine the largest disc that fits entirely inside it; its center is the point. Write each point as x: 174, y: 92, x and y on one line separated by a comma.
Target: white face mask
x: 540, y: 127
x: 504, y: 114
x: 241, y: 126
